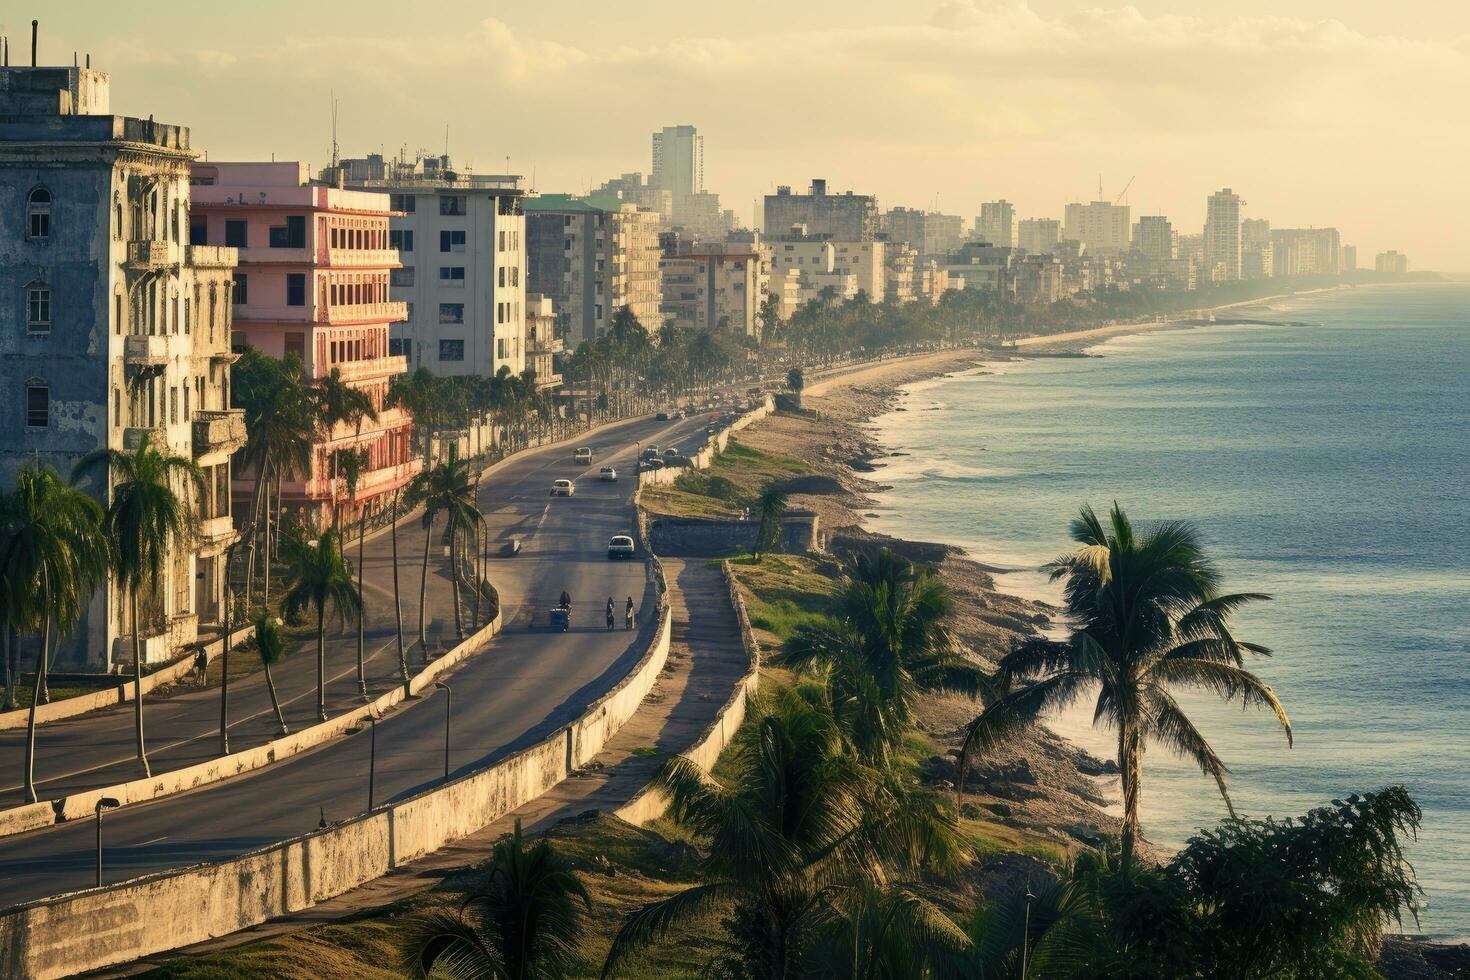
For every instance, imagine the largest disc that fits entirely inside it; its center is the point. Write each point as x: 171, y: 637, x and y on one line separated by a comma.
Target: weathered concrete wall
x: 651, y: 803
x: 129, y: 920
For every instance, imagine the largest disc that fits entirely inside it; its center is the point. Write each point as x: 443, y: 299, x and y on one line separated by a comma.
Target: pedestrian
x: 628, y: 614
x: 201, y: 668
x: 609, y: 613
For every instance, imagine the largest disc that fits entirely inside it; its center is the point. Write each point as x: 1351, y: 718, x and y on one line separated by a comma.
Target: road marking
x: 153, y: 841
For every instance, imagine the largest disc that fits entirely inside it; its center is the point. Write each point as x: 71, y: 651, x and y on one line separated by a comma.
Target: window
x: 451, y: 275
x: 451, y: 313
x: 451, y: 204
x: 502, y: 273
x: 198, y: 231
x: 295, y: 289
x: 116, y: 407
x: 502, y: 348
x: 173, y: 406
x: 451, y: 350
x: 401, y: 240
x: 451, y: 241
x: 188, y: 310
x: 502, y: 241
x: 236, y: 235
x: 237, y: 295
x: 38, y: 404
x: 397, y: 347
x: 295, y: 343
x: 406, y: 203
x: 290, y: 235
x: 38, y: 214
x: 401, y: 277
x: 38, y: 308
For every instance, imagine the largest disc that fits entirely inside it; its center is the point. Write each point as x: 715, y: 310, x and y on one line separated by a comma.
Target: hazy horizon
x: 1344, y: 114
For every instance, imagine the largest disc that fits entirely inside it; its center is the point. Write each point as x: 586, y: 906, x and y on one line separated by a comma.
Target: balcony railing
x: 369, y: 484
x: 147, y: 254
x: 219, y: 431
x: 214, y: 531
x: 145, y: 350
x: 362, y: 258
x: 133, y: 437
x: 391, y: 312
x: 372, y: 367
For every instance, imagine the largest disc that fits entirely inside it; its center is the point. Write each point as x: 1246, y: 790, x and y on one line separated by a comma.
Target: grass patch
x: 783, y: 593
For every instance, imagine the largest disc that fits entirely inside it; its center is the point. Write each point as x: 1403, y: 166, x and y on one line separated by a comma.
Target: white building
x: 1154, y: 237
x: 461, y: 240
x: 1100, y: 225
x: 1222, y: 234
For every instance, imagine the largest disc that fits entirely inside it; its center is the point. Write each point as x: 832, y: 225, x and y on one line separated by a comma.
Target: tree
x: 53, y: 555
x: 318, y: 577
x: 523, y: 923
x: 1149, y: 617
x: 799, y: 819
x: 448, y: 487
x: 270, y: 643
x: 770, y: 507
x: 350, y: 465
x: 888, y: 640
x: 146, y: 521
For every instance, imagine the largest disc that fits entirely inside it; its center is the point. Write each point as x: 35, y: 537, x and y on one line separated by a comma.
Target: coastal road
x: 528, y: 683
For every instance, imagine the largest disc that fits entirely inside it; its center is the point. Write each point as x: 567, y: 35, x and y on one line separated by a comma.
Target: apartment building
x: 1222, y: 234
x: 1099, y: 225
x: 542, y: 342
x: 931, y: 234
x: 118, y: 328
x: 315, y: 263
x: 715, y: 287
x: 844, y: 217
x: 1391, y: 262
x: 1038, y: 235
x: 460, y: 239
x: 996, y: 223
x: 984, y: 266
x: 1306, y: 251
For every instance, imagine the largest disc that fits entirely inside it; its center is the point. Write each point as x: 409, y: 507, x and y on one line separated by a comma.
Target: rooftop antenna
x: 1099, y: 187
x: 335, y: 152
x: 35, y: 30
x: 446, y: 139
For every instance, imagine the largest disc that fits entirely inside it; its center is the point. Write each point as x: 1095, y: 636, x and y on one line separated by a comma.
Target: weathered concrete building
x: 841, y: 217
x: 313, y: 281
x: 117, y: 327
x: 715, y: 287
x: 461, y: 247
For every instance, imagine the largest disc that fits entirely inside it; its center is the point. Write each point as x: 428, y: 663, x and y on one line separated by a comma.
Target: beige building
x: 542, y: 343
x: 1100, y: 225
x: 932, y: 234
x: 900, y: 258
x: 1038, y: 235
x: 635, y: 190
x: 715, y: 287
x: 996, y: 223
x: 840, y: 217
x: 1222, y: 233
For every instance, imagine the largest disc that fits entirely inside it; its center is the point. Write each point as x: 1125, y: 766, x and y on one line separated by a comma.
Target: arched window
x: 38, y: 309
x: 38, y: 214
x: 38, y: 404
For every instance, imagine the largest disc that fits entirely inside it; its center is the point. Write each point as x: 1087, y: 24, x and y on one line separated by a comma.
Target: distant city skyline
x: 1315, y: 114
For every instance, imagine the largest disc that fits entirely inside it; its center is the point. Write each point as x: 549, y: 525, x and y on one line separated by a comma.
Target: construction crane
x: 1124, y: 193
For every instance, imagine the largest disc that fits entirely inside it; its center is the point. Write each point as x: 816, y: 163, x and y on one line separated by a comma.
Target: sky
x: 1348, y: 113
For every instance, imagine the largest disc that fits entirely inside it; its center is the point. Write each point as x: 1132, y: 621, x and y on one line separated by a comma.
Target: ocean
x: 1326, y: 464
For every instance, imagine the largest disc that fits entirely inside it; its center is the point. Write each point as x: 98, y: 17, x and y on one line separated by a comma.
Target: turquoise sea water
x: 1327, y: 465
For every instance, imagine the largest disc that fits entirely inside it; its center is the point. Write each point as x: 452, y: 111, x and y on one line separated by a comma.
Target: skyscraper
x: 1222, y: 235
x: 996, y: 223
x: 1100, y: 225
x: 678, y: 161
x: 1154, y: 237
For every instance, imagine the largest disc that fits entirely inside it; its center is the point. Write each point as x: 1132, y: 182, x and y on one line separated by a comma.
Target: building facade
x: 313, y: 281
x: 715, y: 287
x: 1038, y: 235
x: 116, y: 328
x: 460, y: 240
x: 1391, y: 262
x: 542, y: 342
x: 1222, y: 235
x: 996, y: 223
x: 933, y: 235
x: 844, y: 217
x: 1100, y: 225
x: 1306, y: 251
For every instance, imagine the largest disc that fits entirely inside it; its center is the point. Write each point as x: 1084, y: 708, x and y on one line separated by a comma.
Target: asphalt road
x: 528, y: 683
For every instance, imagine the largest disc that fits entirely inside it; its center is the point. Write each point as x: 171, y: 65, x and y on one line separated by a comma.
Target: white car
x: 583, y: 456
x: 608, y: 474
x: 563, y: 488
x: 621, y: 546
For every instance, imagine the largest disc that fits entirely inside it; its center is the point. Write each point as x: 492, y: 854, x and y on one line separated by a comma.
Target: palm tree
x: 888, y: 640
x: 397, y: 601
x: 350, y: 464
x: 800, y: 818
x: 448, y: 487
x: 770, y: 506
x: 898, y: 934
x: 1148, y: 617
x: 53, y: 555
x: 270, y: 643
x: 524, y: 922
x: 146, y: 521
x: 318, y: 576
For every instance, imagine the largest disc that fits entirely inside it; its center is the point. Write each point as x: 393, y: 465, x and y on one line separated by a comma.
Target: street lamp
x: 372, y: 761
x: 448, y: 709
x: 106, y: 803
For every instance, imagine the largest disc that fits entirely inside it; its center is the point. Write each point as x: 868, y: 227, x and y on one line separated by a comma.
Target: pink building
x: 312, y: 280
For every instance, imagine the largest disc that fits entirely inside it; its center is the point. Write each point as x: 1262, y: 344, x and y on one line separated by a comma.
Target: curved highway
x: 525, y: 685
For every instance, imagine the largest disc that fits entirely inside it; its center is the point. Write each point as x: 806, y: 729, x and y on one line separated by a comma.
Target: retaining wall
x: 119, y: 923
x: 651, y: 803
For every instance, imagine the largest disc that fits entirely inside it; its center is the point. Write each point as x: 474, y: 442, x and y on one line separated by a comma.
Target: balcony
x: 371, y: 368
x: 145, y: 350
x: 147, y: 255
x: 389, y: 312
x: 213, y: 255
x: 133, y: 437
x: 370, y: 484
x: 360, y: 258
x: 220, y: 431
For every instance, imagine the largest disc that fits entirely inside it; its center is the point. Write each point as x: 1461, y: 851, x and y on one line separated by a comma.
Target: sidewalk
x: 706, y: 659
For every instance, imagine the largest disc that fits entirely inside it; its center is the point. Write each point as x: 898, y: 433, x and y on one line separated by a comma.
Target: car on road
x: 583, y: 456
x: 670, y: 454
x: 563, y: 488
x: 621, y: 546
x: 608, y: 475
x: 650, y: 451
x: 509, y: 548
x: 662, y: 416
x: 653, y: 463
